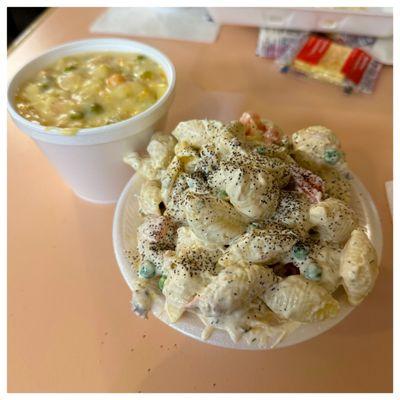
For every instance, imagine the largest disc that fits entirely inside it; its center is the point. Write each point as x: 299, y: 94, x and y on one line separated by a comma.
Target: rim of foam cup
x: 101, y: 134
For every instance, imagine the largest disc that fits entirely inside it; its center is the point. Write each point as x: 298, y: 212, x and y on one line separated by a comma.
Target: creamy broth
x: 91, y: 89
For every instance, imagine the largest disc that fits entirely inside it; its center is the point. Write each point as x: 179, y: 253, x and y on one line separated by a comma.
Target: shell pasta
x: 249, y: 229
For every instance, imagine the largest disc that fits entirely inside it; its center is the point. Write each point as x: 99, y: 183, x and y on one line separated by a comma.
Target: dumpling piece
x: 197, y: 133
x: 333, y: 220
x: 358, y: 266
x: 150, y: 198
x: 269, y: 245
x: 233, y: 288
x: 250, y: 190
x: 316, y: 146
x: 298, y: 299
x: 211, y: 219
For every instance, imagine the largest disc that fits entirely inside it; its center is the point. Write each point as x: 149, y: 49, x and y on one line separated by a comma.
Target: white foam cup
x: 91, y: 161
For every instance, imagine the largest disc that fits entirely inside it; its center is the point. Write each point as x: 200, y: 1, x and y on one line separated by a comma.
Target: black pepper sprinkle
x: 289, y: 214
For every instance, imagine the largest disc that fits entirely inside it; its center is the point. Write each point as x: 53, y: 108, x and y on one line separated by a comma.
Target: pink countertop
x: 70, y: 328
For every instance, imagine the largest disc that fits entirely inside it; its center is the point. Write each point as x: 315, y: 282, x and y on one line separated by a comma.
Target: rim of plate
x: 190, y: 325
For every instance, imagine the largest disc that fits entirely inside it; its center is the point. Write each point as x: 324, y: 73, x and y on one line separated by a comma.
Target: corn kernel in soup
x: 91, y: 89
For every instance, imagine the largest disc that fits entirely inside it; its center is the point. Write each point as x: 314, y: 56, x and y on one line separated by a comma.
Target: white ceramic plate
x: 127, y: 219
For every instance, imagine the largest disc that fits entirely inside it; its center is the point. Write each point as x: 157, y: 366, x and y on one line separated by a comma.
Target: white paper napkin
x: 182, y: 23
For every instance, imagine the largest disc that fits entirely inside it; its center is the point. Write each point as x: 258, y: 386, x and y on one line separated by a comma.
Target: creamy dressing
x: 248, y: 240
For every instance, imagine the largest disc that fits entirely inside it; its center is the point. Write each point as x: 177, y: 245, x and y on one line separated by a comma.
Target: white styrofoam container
x: 372, y: 21
x: 91, y: 162
x: 127, y: 219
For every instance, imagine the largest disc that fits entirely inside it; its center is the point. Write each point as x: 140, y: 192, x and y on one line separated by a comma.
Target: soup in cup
x: 89, y: 103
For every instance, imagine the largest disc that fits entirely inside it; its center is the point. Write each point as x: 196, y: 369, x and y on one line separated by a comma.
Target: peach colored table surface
x: 70, y: 327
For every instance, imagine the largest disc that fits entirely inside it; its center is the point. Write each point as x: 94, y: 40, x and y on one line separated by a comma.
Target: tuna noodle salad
x: 248, y: 228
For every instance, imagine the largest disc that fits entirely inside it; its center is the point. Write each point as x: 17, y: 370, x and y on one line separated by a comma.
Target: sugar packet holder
x: 325, y: 60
